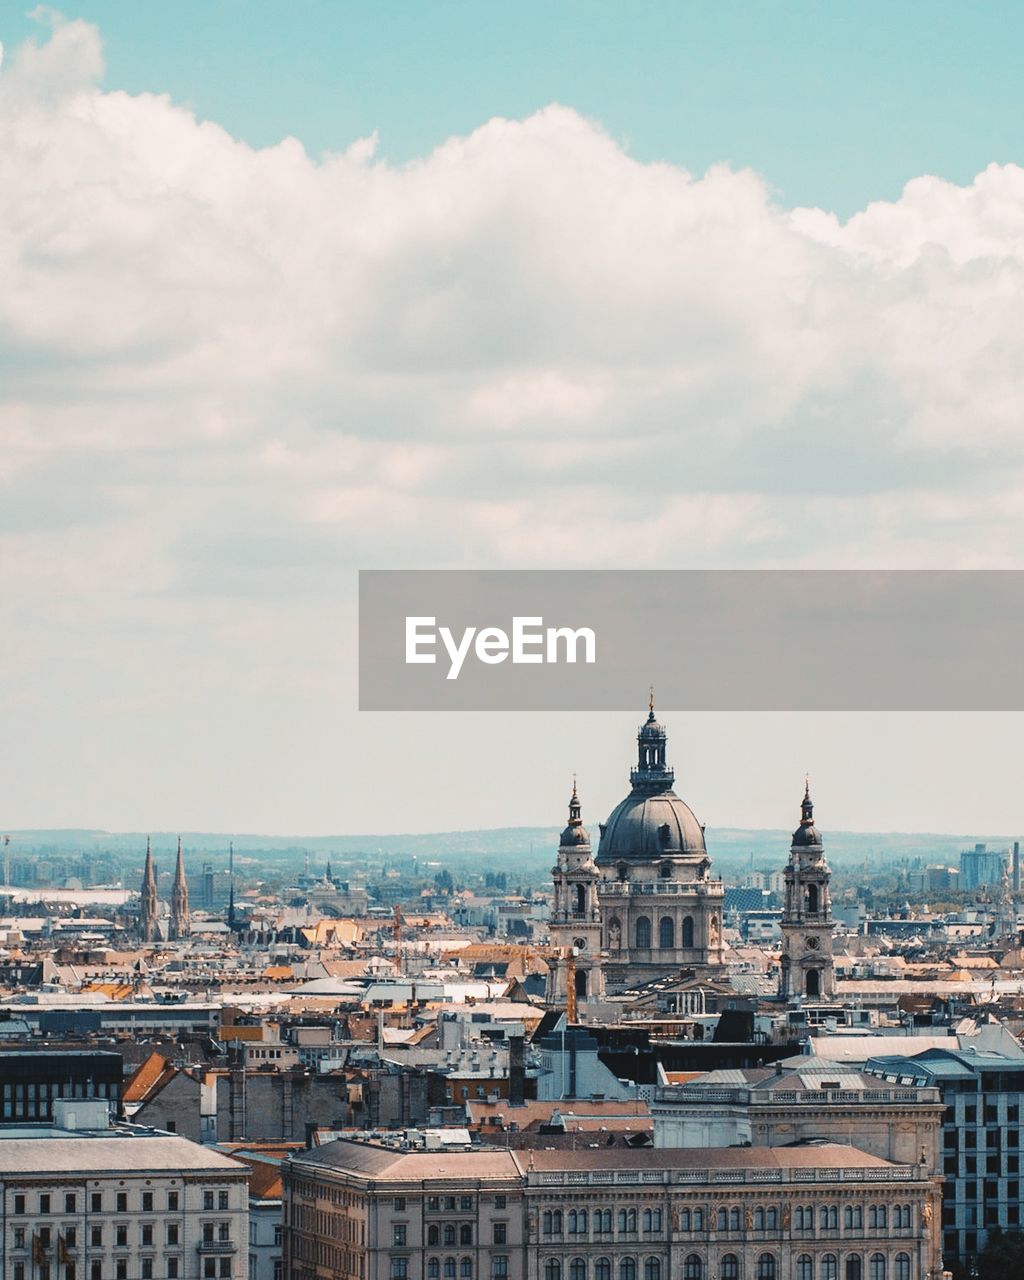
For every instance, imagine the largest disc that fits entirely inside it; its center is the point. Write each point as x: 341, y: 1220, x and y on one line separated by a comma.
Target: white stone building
x: 83, y: 1201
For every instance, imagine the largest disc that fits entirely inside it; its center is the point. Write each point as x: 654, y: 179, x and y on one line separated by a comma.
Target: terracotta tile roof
x: 149, y: 1078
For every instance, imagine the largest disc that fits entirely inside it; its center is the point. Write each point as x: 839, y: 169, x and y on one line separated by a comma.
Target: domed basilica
x: 646, y: 906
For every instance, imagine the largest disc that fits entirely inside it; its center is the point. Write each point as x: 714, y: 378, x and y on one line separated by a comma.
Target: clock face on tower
x: 813, y: 943
x: 580, y: 944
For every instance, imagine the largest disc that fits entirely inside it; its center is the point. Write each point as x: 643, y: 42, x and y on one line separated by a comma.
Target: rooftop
x: 46, y: 1150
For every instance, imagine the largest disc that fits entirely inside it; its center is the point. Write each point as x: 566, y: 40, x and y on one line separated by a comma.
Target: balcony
x: 217, y: 1246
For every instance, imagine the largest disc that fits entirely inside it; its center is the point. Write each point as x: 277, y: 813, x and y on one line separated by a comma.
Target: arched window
x: 552, y: 1269
x: 734, y: 1219
x: 433, y: 1269
x: 901, y: 1268
x: 854, y: 1266
x: 465, y: 1234
x: 766, y: 1267
x: 603, y: 1222
x: 722, y: 1220
x: 581, y: 899
x: 643, y: 934
x: 812, y: 898
x: 771, y: 1219
x: 627, y: 1269
x: 693, y: 1267
x: 652, y: 1220
x: 652, y: 1269
x: 667, y: 933
x: 433, y: 1234
x: 466, y: 1269
x: 805, y: 1267
x: 758, y: 1219
x: 577, y: 1269
x: 829, y: 1218
x: 853, y: 1217
x: 687, y: 938
x: 449, y: 1269
x: 627, y: 1220
x: 830, y: 1267
x: 449, y: 1233
x: 876, y: 1267
x: 581, y: 984
x: 603, y: 1269
x: 730, y: 1267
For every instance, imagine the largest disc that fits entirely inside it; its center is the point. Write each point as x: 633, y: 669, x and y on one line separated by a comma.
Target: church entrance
x: 813, y: 982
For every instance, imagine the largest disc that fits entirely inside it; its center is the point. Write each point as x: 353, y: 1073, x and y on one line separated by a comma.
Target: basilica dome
x: 645, y: 827
x: 652, y: 822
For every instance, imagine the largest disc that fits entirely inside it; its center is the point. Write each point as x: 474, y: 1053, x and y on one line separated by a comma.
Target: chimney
x: 516, y: 1071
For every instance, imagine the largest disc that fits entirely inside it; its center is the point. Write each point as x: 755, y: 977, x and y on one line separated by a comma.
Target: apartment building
x: 82, y: 1201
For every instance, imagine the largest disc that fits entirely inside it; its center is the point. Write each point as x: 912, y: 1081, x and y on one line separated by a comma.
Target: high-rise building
x: 980, y: 867
x: 807, y: 967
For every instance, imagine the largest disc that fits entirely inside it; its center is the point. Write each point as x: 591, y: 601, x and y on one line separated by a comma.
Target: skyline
x: 555, y: 336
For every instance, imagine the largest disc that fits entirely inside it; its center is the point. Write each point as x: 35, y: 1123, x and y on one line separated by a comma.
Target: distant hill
x: 531, y: 846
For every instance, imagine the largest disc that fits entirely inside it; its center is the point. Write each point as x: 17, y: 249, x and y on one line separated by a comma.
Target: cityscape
x: 629, y: 1065
x: 511, y: 525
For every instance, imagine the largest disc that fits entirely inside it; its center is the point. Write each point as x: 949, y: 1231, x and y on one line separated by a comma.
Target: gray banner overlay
x: 744, y: 640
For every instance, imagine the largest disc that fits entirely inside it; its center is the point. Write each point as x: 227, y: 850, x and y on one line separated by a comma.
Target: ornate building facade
x: 576, y: 914
x: 807, y: 967
x: 355, y: 1211
x: 660, y: 909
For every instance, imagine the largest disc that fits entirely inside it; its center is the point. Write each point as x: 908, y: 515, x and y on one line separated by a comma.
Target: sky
x: 290, y: 294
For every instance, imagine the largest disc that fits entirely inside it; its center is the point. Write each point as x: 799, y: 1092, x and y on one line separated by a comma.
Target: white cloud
x: 230, y: 376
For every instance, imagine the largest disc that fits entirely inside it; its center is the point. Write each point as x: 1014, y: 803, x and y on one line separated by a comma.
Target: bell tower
x: 807, y: 966
x: 575, y: 925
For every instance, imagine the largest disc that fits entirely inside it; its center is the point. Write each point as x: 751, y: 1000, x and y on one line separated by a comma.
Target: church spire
x: 148, y: 900
x: 231, y: 884
x: 180, y: 919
